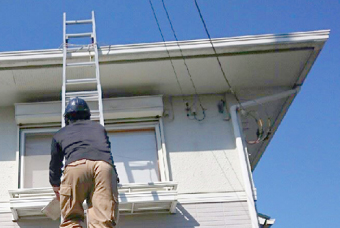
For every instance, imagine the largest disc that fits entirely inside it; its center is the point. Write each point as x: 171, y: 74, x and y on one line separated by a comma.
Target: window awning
x: 156, y: 197
x: 114, y: 108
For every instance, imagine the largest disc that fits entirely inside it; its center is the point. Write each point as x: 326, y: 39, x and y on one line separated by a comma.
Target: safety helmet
x: 76, y: 109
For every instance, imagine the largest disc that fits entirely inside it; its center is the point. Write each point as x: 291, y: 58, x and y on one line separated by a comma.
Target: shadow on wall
x: 182, y: 218
x: 35, y: 223
x: 8, y: 134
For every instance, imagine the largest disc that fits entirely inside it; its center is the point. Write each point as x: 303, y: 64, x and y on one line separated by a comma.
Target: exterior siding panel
x: 203, y: 215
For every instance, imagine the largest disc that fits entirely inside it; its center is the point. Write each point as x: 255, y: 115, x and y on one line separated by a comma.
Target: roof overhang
x: 250, y: 62
x: 255, y: 66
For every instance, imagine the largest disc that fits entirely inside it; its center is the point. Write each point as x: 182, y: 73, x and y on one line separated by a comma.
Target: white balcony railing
x: 134, y: 198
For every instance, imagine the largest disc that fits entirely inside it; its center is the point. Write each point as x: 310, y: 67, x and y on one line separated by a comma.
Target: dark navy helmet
x: 76, y: 109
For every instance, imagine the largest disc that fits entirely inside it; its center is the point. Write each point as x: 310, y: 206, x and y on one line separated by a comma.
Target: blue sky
x: 298, y: 177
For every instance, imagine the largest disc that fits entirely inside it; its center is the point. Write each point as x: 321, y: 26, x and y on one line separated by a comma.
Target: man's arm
x: 56, y: 163
x: 113, y: 163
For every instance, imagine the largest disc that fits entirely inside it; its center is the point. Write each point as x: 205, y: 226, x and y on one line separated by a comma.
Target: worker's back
x: 84, y: 139
x: 89, y: 172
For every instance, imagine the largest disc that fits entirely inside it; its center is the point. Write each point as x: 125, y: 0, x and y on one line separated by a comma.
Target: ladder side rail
x: 99, y: 88
x: 63, y: 102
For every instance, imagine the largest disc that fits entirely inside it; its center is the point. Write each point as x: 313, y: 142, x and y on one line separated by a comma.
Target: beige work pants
x: 96, y: 182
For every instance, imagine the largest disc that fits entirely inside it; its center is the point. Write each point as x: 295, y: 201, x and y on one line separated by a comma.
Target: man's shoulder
x: 94, y: 124
x: 76, y: 125
x: 58, y: 133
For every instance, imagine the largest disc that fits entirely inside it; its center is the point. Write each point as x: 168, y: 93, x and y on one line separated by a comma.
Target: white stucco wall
x: 8, y: 148
x: 202, y: 154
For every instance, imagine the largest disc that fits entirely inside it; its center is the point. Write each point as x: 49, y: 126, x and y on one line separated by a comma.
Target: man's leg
x: 103, y: 212
x: 73, y: 191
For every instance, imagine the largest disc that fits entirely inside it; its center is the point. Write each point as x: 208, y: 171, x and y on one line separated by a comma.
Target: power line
x: 185, y: 63
x: 174, y: 33
x: 173, y: 67
x: 219, y: 63
x: 218, y: 59
x: 259, y: 122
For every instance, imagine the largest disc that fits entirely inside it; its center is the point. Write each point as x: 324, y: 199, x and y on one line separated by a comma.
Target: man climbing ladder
x: 89, y: 172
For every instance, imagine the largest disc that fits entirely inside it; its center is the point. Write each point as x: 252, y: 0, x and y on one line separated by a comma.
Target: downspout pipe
x: 241, y: 148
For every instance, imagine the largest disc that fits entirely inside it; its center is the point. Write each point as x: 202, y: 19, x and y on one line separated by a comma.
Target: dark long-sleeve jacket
x: 83, y: 139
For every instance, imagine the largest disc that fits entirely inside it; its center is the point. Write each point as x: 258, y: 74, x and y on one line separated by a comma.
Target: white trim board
x: 5, y: 207
x: 211, y: 197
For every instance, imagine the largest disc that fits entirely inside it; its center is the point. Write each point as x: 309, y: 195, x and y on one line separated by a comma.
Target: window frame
x: 22, y: 141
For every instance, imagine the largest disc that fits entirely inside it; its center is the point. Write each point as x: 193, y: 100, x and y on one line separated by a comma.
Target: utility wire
x: 185, y: 63
x: 180, y: 49
x: 172, y: 64
x: 259, y: 122
x: 174, y: 33
x: 218, y: 59
x: 219, y: 63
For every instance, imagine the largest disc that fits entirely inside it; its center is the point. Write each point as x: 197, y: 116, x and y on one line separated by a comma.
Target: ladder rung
x: 80, y: 64
x: 71, y: 48
x: 89, y: 21
x: 90, y: 50
x: 81, y: 81
x: 84, y: 98
x: 81, y: 93
x: 79, y: 35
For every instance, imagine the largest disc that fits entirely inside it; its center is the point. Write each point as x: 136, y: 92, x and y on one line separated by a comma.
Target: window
x: 35, y: 150
x: 138, y: 153
x: 135, y: 155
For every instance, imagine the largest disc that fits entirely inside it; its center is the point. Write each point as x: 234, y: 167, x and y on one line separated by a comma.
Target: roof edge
x: 267, y: 39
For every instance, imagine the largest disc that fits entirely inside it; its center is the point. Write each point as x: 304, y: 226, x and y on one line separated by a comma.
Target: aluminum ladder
x: 89, y: 87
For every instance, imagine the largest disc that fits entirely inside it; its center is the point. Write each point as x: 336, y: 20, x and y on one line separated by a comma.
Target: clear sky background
x: 298, y: 178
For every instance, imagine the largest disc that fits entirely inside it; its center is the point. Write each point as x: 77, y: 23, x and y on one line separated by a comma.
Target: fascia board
x: 313, y: 39
x: 269, y: 39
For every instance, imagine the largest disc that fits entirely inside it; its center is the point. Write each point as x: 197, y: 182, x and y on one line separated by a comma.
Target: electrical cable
x: 260, y: 133
x: 259, y: 122
x: 204, y: 115
x: 218, y: 59
x: 185, y: 63
x: 269, y: 123
x: 173, y: 67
